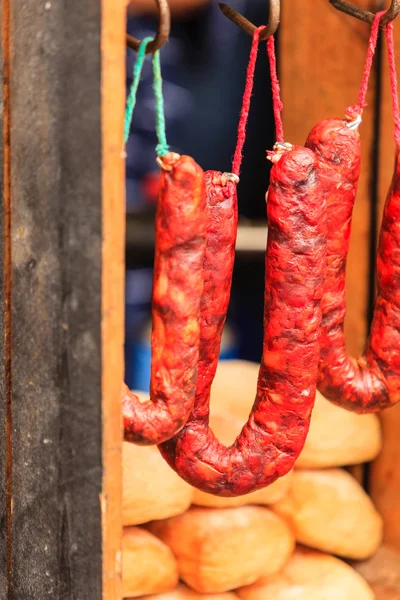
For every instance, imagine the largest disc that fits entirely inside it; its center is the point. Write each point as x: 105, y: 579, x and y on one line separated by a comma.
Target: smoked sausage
x: 177, y: 292
x: 372, y: 382
x: 274, y: 435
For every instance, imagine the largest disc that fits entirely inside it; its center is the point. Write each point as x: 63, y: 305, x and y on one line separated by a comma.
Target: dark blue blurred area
x: 204, y: 70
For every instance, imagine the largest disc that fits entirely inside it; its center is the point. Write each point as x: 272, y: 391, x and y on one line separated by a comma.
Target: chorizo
x: 372, y: 382
x: 274, y: 435
x: 177, y: 292
x: 222, y: 223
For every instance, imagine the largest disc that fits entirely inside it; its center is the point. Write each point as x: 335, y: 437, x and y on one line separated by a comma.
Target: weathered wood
x: 385, y: 475
x: 113, y: 275
x: 3, y: 397
x: 382, y: 572
x: 62, y: 404
x: 322, y: 53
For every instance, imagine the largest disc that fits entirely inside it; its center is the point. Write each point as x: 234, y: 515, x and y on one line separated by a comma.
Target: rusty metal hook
x: 248, y: 27
x: 366, y: 15
x: 164, y: 28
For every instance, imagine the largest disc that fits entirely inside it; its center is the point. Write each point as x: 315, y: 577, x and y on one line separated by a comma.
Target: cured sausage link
x: 177, y: 292
x: 222, y: 223
x: 275, y: 433
x: 371, y: 383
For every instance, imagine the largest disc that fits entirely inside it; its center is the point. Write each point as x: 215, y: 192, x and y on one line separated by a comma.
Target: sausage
x: 274, y: 435
x: 222, y: 223
x: 371, y: 383
x: 177, y: 292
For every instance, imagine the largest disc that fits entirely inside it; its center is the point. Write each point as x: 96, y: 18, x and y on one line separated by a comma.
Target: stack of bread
x: 292, y: 540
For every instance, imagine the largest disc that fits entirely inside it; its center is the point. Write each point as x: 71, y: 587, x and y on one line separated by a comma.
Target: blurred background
x: 204, y: 69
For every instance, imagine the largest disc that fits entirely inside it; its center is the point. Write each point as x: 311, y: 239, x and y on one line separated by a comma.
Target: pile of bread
x: 289, y: 541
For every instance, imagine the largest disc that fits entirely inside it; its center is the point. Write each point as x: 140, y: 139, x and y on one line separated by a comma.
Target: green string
x: 162, y: 147
x: 137, y: 72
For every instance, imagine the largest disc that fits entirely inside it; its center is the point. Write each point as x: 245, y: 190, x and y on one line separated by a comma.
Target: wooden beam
x: 385, y: 475
x: 4, y: 425
x: 322, y: 53
x: 113, y: 277
x: 67, y: 240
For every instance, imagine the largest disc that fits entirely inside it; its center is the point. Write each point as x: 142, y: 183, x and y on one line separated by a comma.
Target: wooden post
x: 322, y: 52
x: 385, y: 474
x: 113, y: 277
x: 4, y: 432
x: 66, y: 274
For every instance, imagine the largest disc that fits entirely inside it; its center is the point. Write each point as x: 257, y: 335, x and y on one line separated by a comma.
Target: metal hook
x: 248, y: 27
x: 366, y: 15
x: 164, y: 28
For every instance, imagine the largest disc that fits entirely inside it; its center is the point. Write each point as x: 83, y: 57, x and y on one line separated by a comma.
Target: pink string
x: 244, y: 115
x: 276, y: 90
x: 354, y: 111
x: 393, y: 81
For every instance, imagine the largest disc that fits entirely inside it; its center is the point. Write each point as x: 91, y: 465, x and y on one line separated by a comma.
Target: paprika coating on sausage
x: 274, y: 435
x: 371, y: 383
x: 222, y: 223
x: 177, y: 292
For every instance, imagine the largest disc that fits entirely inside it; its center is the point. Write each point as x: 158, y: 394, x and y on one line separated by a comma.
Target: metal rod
x: 164, y: 28
x: 248, y: 27
x: 366, y: 15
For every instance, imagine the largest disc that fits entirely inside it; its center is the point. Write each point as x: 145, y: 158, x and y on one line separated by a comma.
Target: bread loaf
x: 149, y: 566
x: 310, y: 575
x: 184, y: 593
x: 339, y: 438
x: 330, y: 511
x: 151, y: 489
x: 221, y: 549
x: 234, y: 388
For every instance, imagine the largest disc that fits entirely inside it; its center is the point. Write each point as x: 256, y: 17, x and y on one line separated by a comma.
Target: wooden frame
x: 3, y: 397
x: 385, y: 472
x: 63, y: 275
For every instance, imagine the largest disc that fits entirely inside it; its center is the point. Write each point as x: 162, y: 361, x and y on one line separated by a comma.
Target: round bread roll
x: 339, y: 437
x: 226, y: 429
x: 219, y: 550
x: 329, y: 511
x: 310, y: 575
x: 151, y: 489
x: 184, y: 593
x: 234, y: 388
x: 148, y: 565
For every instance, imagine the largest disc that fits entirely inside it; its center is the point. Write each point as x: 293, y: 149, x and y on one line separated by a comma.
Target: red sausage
x: 372, y: 382
x: 222, y: 222
x: 275, y: 433
x: 177, y: 292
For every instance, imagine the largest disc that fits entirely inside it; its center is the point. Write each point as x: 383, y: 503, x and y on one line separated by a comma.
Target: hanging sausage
x: 274, y: 435
x: 177, y: 287
x: 371, y: 383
